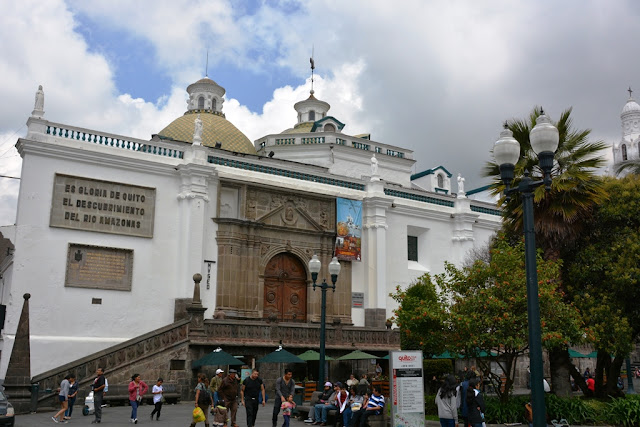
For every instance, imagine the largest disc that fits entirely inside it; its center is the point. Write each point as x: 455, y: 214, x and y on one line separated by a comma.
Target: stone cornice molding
x: 65, y: 150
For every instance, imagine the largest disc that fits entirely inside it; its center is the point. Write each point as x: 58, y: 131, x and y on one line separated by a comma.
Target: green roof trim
x: 317, y: 123
x: 430, y: 172
x: 489, y: 211
x: 284, y: 172
x: 418, y: 197
x: 478, y: 190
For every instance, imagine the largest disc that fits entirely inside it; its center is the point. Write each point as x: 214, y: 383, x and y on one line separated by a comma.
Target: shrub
x: 574, y: 410
x: 430, y: 407
x: 437, y: 368
x: 501, y: 413
x: 624, y: 411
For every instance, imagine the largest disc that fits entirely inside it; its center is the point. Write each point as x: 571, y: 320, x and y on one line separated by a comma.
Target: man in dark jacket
x: 285, y: 386
x: 229, y: 392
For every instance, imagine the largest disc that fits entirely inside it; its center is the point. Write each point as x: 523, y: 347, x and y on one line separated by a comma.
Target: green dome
x: 215, y: 128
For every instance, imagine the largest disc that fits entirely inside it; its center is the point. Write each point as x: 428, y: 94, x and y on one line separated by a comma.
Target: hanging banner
x: 349, y: 229
x: 407, y: 389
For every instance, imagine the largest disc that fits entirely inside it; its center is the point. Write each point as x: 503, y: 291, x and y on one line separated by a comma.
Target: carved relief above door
x: 285, y: 289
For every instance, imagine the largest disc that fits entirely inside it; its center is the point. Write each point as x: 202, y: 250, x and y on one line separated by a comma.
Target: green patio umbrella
x: 313, y: 355
x: 215, y: 358
x: 577, y: 354
x: 358, y: 355
x: 280, y: 356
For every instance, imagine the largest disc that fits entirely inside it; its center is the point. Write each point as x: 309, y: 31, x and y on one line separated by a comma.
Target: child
x: 219, y: 414
x: 157, y: 398
x: 286, y: 407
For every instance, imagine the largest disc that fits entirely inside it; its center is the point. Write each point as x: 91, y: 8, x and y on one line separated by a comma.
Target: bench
x: 305, y: 409
x: 118, y: 394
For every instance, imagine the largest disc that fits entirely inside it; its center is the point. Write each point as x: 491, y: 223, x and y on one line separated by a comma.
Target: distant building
x: 628, y: 148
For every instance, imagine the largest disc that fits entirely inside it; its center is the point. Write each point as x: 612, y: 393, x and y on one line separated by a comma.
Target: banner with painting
x: 349, y: 229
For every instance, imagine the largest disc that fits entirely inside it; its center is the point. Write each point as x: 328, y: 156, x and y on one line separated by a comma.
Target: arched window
x: 440, y: 181
x: 329, y: 128
x: 624, y: 152
x: 312, y: 116
x: 213, y: 104
x: 201, y: 103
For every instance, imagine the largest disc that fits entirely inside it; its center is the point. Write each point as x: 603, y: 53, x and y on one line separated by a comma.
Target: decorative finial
x: 206, y: 68
x: 461, y: 193
x: 541, y: 111
x: 630, y: 91
x: 313, y: 67
x: 505, y: 125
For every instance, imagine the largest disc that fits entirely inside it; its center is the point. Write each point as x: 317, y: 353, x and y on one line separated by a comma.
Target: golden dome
x: 215, y: 128
x: 304, y: 127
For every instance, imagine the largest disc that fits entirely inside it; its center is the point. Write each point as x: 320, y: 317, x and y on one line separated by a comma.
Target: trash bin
x: 298, y: 397
x: 35, y: 389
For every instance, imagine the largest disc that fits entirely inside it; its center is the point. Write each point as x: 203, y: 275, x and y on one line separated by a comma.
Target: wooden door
x: 285, y: 289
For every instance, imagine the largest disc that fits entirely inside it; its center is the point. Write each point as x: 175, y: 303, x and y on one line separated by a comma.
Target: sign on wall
x: 349, y: 229
x: 97, y: 267
x: 357, y: 299
x: 407, y: 388
x: 102, y: 206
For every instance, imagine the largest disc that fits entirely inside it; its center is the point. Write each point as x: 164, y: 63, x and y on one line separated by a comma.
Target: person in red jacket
x: 137, y: 389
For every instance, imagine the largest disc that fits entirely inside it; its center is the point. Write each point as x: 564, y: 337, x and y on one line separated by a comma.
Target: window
x: 312, y: 115
x: 213, y: 104
x: 412, y: 248
x: 440, y: 181
x: 329, y: 128
x: 624, y: 152
x: 201, y: 103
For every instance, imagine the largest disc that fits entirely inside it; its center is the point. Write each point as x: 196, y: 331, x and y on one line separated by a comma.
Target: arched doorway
x: 285, y: 289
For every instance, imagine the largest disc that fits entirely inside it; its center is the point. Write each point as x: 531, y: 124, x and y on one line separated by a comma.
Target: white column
x: 463, y: 220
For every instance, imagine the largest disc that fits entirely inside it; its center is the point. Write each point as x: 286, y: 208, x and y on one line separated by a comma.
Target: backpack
x: 204, y: 399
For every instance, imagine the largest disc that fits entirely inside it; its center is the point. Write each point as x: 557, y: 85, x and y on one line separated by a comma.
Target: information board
x: 407, y: 388
x: 97, y: 267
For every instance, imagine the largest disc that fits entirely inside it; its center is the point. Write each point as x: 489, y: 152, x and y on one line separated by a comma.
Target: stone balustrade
x: 115, y: 141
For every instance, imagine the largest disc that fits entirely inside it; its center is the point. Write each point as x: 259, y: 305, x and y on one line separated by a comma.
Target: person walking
x: 219, y: 414
x: 285, y: 386
x: 157, y: 392
x: 203, y: 398
x: 215, y: 385
x: 63, y: 397
x: 98, y: 394
x: 252, y: 387
x: 475, y: 403
x: 73, y: 393
x: 448, y: 401
x: 137, y: 389
x: 287, y: 407
x: 229, y: 392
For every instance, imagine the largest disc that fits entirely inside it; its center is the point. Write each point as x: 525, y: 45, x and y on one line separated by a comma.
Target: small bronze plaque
x: 98, y: 267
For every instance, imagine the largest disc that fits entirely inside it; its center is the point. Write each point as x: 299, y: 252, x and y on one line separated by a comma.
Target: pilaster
x: 463, y: 220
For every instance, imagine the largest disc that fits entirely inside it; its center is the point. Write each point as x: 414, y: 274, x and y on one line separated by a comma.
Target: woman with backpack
x: 203, y: 398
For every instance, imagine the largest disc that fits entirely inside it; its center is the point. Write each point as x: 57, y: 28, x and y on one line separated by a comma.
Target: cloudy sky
x: 438, y: 77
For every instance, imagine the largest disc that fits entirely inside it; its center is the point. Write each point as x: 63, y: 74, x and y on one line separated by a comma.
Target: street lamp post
x: 544, y: 139
x: 334, y: 269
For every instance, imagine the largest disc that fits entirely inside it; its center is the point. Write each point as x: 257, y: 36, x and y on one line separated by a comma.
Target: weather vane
x: 313, y: 67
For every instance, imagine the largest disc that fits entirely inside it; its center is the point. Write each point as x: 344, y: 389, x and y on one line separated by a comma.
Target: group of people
x: 137, y: 388
x: 352, y: 402
x: 465, y: 396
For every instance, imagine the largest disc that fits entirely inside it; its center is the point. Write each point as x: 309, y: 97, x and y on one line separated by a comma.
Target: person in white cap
x: 324, y: 398
x: 214, y: 385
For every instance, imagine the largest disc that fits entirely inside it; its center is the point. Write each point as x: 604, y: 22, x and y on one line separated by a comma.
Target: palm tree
x: 575, y: 189
x: 559, y: 215
x: 632, y: 166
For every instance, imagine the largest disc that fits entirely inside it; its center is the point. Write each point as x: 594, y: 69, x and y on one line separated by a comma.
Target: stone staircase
x: 149, y: 355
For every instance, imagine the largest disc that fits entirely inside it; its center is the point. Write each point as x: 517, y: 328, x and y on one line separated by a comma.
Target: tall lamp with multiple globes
x: 334, y: 269
x: 544, y: 138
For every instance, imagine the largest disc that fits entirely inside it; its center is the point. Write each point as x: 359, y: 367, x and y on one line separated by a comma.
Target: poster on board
x: 407, y: 388
x: 349, y: 229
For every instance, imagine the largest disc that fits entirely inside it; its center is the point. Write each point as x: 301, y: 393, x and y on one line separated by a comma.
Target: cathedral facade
x: 110, y: 229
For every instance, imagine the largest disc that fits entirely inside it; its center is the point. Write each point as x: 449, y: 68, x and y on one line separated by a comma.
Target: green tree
x: 560, y: 215
x: 632, y: 166
x: 603, y: 275
x: 488, y: 310
x: 420, y: 316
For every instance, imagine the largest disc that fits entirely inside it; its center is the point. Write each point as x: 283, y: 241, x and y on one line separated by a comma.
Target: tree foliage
x: 420, y: 316
x: 603, y: 274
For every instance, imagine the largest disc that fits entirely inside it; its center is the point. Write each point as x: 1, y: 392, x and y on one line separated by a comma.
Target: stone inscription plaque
x: 98, y: 267
x: 102, y: 206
